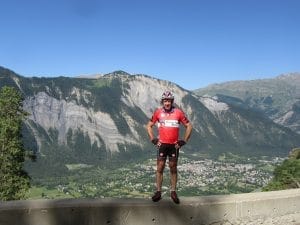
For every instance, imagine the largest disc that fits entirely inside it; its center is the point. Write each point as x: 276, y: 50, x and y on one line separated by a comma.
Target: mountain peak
x: 292, y: 78
x: 118, y: 73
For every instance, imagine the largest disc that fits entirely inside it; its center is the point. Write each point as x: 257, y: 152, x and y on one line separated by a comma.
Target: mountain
x: 91, y: 120
x: 277, y: 98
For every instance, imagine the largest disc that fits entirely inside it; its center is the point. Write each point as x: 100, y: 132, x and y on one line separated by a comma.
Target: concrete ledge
x: 192, y: 210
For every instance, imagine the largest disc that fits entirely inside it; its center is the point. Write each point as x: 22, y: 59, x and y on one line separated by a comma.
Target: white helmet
x: 167, y: 95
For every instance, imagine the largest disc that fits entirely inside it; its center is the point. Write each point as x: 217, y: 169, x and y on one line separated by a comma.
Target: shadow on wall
x: 103, y: 212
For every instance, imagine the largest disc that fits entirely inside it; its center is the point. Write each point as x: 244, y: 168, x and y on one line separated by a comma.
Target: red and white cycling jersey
x: 168, y: 124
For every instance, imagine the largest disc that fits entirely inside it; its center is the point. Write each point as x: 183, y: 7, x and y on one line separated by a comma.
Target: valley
x: 197, y: 176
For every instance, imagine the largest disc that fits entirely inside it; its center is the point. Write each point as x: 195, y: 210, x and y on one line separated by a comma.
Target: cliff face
x: 49, y: 112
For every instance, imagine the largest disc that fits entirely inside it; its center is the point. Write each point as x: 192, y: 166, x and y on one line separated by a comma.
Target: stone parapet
x: 217, y: 209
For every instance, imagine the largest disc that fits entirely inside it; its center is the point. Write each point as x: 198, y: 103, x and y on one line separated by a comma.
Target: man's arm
x: 150, y: 130
x: 187, y: 135
x: 188, y: 131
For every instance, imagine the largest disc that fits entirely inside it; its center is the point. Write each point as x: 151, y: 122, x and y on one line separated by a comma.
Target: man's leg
x: 159, y: 174
x: 159, y: 179
x: 173, y: 174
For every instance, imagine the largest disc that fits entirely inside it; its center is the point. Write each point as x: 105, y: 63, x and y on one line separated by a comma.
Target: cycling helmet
x: 167, y: 95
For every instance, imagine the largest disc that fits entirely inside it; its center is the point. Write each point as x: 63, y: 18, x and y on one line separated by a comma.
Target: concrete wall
x: 192, y: 210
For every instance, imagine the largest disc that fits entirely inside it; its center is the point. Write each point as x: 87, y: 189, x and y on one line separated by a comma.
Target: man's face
x: 167, y: 104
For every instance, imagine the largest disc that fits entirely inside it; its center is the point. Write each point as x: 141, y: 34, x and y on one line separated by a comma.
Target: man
x: 168, y: 143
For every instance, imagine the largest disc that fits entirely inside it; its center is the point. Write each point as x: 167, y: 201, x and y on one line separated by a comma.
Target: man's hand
x: 154, y: 141
x: 179, y: 144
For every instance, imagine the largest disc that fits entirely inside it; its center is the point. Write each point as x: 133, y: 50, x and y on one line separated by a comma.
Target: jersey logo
x: 170, y: 123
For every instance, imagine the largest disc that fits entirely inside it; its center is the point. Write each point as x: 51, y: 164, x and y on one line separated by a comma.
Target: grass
x: 45, y: 193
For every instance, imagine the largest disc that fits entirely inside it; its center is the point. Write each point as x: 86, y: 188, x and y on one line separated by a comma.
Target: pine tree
x: 14, y: 181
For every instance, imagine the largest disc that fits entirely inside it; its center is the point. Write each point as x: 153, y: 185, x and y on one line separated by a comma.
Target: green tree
x: 287, y: 174
x: 14, y: 181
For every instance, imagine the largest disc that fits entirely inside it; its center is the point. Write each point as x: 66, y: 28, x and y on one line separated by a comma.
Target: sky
x: 193, y: 43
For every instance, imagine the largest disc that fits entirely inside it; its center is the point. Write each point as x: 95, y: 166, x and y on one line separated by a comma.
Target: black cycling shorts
x: 167, y: 150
